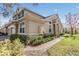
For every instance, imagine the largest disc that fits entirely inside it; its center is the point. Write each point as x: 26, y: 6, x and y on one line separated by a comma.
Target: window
x: 49, y: 22
x: 21, y: 14
x: 22, y: 30
x: 49, y: 28
x: 15, y: 17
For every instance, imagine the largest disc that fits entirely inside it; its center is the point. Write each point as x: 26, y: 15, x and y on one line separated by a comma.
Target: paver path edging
x: 41, y: 50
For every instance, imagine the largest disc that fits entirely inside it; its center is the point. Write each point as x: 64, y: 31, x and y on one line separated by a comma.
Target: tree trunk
x: 71, y: 31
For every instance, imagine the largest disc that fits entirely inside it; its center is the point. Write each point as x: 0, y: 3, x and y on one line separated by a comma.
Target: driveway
x: 41, y: 50
x: 3, y: 38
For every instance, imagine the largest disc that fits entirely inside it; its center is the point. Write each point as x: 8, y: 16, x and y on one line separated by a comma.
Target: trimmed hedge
x: 23, y: 38
x: 39, y: 40
x: 32, y: 40
x: 45, y: 36
x: 62, y: 34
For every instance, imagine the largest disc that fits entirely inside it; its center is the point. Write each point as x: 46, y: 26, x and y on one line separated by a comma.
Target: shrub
x: 62, y: 34
x: 32, y: 40
x: 39, y: 40
x: 13, y: 37
x: 45, y: 36
x: 66, y: 35
x: 17, y: 47
x: 11, y: 49
x: 4, y: 48
x: 48, y: 39
x: 21, y: 37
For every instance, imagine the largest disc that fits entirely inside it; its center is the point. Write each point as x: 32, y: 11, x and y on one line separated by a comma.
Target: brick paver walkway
x: 41, y: 50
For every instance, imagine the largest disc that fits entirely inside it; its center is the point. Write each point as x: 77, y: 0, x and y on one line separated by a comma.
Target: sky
x: 47, y: 9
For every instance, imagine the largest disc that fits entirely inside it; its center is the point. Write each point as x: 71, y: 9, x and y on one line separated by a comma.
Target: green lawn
x: 67, y: 47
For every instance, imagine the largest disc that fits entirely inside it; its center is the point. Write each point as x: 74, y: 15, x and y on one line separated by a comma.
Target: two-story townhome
x: 54, y: 25
x: 27, y: 22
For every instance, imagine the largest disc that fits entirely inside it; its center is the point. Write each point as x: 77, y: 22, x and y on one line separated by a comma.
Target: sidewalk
x: 41, y: 50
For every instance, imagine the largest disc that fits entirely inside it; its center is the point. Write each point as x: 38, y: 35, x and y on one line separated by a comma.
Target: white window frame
x: 21, y: 14
x: 24, y: 28
x: 50, y: 28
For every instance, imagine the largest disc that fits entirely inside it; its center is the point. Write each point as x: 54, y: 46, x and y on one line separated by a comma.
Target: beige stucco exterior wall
x: 54, y: 19
x: 46, y: 27
x: 13, y: 31
x: 33, y: 23
x: 59, y: 27
x: 33, y: 28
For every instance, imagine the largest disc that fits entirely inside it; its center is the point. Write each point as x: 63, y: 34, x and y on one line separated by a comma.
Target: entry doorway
x: 54, y: 29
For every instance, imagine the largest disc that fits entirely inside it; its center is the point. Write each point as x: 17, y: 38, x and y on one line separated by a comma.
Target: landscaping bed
x: 32, y: 40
